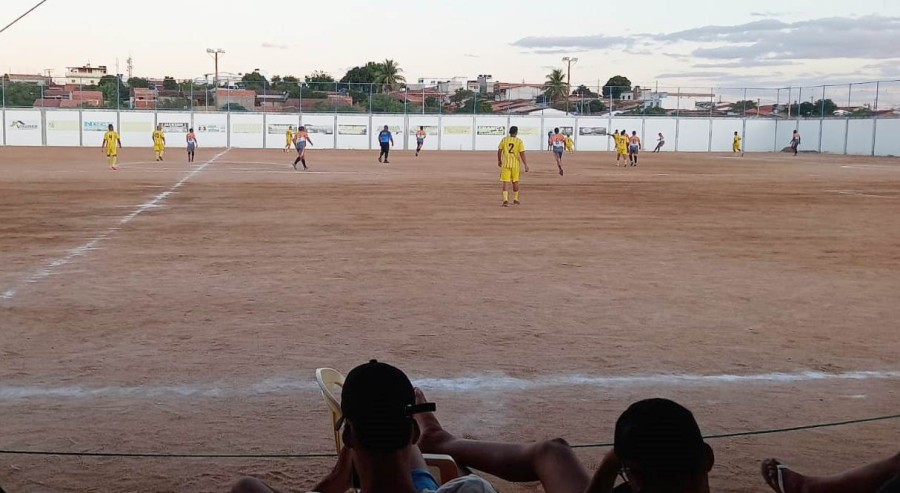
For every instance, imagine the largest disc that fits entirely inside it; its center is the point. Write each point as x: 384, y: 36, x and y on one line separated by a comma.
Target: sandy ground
x: 195, y: 325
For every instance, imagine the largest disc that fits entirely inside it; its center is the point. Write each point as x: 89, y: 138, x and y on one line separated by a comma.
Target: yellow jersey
x: 737, y: 140
x: 622, y: 141
x: 110, y: 138
x: 289, y: 136
x: 158, y: 138
x: 511, y: 147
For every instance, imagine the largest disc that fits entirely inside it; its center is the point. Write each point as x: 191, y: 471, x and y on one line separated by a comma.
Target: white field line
x: 72, y: 254
x: 490, y: 383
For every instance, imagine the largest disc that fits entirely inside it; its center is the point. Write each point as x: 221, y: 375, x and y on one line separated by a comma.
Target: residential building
x: 69, y: 96
x: 687, y: 100
x: 38, y: 79
x: 506, y: 92
x: 241, y: 97
x: 86, y: 75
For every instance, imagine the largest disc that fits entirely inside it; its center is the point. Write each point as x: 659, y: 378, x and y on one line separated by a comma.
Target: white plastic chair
x: 441, y: 466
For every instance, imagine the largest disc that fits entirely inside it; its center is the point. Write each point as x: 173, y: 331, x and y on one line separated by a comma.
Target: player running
x: 570, y: 144
x: 736, y: 146
x: 386, y: 139
x: 420, y: 140
x: 110, y: 138
x: 634, y: 146
x: 288, y: 138
x: 510, y: 155
x: 159, y: 142
x: 191, y: 144
x: 558, y: 144
x: 660, y: 142
x: 301, y: 139
x: 795, y: 142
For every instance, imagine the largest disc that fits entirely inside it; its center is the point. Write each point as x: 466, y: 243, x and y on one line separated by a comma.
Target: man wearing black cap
x: 378, y: 403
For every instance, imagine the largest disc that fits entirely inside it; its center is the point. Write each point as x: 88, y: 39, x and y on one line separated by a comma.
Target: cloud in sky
x: 693, y: 75
x: 591, y: 42
x: 275, y: 46
x: 759, y: 43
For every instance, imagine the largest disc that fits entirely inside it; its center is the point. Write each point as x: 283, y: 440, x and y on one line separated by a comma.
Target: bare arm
x: 522, y: 157
x: 605, y: 478
x: 500, y: 157
x: 120, y: 143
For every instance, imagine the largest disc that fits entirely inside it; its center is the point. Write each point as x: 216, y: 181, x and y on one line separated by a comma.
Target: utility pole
x: 569, y: 61
x: 215, y: 54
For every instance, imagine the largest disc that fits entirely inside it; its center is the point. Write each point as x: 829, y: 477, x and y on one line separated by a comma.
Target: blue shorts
x: 423, y: 480
x: 558, y: 152
x: 300, y: 146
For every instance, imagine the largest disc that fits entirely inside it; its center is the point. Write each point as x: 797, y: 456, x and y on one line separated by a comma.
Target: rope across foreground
x: 175, y: 455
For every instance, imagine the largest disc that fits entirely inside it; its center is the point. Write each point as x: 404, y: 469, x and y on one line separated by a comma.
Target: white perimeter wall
x: 63, y: 127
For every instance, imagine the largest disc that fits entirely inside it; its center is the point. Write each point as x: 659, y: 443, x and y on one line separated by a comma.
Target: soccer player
x: 622, y: 148
x: 288, y: 138
x: 191, y: 145
x: 301, y: 138
x: 420, y: 140
x: 386, y: 139
x: 110, y: 138
x: 558, y: 144
x: 795, y: 142
x: 159, y: 142
x: 634, y: 146
x: 570, y: 144
x: 736, y: 146
x: 510, y: 155
x: 660, y: 142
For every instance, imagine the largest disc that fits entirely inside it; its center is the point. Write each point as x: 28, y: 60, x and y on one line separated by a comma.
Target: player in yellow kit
x: 159, y: 143
x: 510, y: 156
x: 736, y: 146
x: 622, y: 148
x: 288, y: 138
x: 110, y: 139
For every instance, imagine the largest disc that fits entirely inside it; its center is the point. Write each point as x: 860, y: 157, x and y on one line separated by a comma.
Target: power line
x: 21, y: 16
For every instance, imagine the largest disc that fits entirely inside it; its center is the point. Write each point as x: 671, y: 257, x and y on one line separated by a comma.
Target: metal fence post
x: 875, y: 120
x: 822, y: 120
x: 3, y: 85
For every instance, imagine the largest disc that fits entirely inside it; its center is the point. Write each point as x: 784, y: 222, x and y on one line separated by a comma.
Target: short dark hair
x: 379, y: 402
x: 190, y: 130
x: 513, y: 130
x: 556, y: 130
x: 660, y: 441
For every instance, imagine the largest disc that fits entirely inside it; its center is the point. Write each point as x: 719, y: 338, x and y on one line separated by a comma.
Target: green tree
x: 814, y: 109
x: 138, y: 82
x: 385, y: 103
x: 555, y: 87
x: 320, y: 81
x: 615, y: 86
x: 475, y: 105
x: 114, y: 91
x: 20, y: 94
x: 596, y: 106
x: 432, y: 105
x: 361, y: 75
x: 582, y: 91
x: 461, y: 96
x: 388, y: 74
x: 233, y: 107
x: 169, y: 83
x: 741, y: 105
x: 254, y: 81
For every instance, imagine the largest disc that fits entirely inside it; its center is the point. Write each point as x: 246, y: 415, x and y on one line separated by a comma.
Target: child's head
x: 513, y: 130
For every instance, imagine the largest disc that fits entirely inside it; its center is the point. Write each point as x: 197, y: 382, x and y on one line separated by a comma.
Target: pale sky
x: 670, y: 43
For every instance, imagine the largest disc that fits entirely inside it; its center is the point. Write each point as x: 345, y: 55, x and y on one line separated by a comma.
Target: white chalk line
x: 80, y: 250
x: 490, y: 383
x: 860, y: 194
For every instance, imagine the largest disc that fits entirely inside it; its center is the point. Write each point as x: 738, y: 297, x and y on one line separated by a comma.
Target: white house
x: 686, y: 100
x: 87, y: 75
x: 507, y: 92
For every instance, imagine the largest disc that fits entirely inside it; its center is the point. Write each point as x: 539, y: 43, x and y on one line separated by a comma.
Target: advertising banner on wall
x: 457, y: 129
x: 586, y: 131
x: 320, y: 129
x: 175, y: 127
x: 353, y: 129
x: 499, y: 130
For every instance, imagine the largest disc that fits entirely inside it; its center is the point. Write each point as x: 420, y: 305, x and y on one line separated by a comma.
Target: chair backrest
x: 330, y: 380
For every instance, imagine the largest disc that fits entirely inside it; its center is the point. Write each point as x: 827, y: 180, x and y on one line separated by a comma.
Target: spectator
x: 882, y: 477
x: 379, y: 433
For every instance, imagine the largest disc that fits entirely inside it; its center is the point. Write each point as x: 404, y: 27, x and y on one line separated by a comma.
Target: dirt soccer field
x: 179, y: 308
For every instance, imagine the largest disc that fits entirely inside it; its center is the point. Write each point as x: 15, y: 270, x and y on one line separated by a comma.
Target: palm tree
x: 556, y: 87
x: 388, y: 74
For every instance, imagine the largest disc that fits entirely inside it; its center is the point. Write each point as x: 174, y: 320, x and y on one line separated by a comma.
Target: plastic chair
x: 441, y: 466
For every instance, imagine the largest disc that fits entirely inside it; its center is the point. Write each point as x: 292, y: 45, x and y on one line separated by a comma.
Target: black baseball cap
x: 379, y: 400
x: 660, y: 440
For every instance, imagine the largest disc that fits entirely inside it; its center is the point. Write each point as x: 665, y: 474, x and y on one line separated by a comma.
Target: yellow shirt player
x: 288, y: 138
x: 622, y: 147
x: 110, y: 139
x: 736, y: 146
x: 159, y: 143
x: 570, y: 144
x: 510, y: 156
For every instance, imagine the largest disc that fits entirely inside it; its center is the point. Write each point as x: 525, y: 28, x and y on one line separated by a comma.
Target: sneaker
x: 295, y: 166
x: 505, y: 204
x: 516, y: 202
x: 387, y: 162
x: 560, y: 171
x: 379, y: 159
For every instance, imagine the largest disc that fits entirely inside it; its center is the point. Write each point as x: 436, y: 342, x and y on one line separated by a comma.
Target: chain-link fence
x: 288, y: 95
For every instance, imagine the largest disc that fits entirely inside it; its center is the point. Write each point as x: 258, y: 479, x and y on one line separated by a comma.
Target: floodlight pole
x: 215, y: 54
x: 569, y: 61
